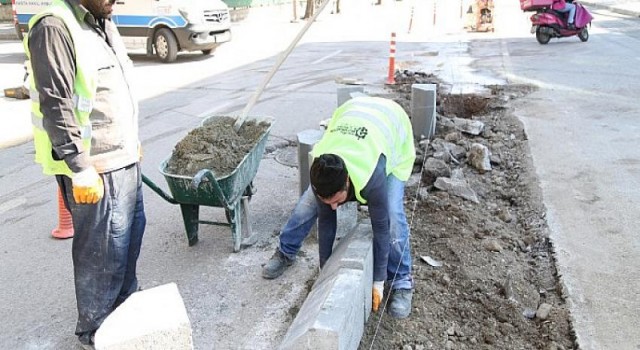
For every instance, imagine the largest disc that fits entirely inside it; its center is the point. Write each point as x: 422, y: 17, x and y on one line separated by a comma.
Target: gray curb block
x: 339, y: 304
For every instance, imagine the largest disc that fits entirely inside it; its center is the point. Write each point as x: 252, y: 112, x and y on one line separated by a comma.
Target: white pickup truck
x: 162, y: 27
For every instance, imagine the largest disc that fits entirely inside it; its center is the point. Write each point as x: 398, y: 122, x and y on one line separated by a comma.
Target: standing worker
x: 86, y: 134
x: 365, y: 155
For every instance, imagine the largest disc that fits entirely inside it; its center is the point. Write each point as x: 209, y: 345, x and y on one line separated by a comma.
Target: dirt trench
x: 497, y: 287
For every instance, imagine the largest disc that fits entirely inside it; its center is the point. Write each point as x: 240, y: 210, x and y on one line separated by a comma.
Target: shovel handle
x: 238, y: 124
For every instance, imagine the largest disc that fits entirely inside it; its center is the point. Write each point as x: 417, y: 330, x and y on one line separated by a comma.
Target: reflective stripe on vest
x: 80, y: 103
x: 37, y: 123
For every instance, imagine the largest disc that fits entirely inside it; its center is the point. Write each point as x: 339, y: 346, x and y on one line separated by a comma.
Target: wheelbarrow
x: 231, y: 192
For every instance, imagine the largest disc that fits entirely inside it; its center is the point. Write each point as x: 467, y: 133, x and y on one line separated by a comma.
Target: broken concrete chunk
x: 471, y: 127
x: 479, y: 157
x: 457, y: 174
x: 543, y: 311
x: 456, y: 151
x: 505, y: 215
x: 431, y: 261
x: 433, y: 169
x: 492, y: 245
x: 453, y: 137
x: 458, y: 188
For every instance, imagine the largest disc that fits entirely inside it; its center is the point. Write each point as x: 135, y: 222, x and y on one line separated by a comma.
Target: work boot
x: 400, y: 306
x: 276, y: 265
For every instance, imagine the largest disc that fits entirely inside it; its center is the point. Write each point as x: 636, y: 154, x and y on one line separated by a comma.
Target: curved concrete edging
x: 339, y: 304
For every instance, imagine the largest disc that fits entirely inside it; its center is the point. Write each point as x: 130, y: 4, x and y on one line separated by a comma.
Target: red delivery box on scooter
x: 532, y: 5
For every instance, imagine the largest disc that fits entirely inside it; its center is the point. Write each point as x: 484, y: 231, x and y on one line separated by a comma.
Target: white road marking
x: 11, y: 204
x: 326, y: 57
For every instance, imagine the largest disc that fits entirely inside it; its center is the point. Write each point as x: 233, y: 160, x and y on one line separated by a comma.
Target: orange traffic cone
x: 392, y: 60
x: 65, y: 224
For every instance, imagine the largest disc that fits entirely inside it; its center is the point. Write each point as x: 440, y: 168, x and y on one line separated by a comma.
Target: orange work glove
x: 378, y: 288
x: 88, y: 187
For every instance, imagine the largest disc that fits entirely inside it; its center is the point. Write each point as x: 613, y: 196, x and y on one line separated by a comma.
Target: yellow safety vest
x: 362, y: 129
x: 84, y: 88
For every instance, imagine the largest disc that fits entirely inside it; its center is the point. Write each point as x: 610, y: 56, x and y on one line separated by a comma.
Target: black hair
x: 328, y: 175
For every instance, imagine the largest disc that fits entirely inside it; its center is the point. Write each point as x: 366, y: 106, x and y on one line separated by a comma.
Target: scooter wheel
x: 543, y: 38
x: 583, y: 35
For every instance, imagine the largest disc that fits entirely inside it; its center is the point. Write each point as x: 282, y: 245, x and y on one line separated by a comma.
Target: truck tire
x: 166, y: 45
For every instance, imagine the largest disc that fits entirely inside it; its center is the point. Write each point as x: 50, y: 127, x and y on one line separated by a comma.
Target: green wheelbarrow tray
x: 231, y: 192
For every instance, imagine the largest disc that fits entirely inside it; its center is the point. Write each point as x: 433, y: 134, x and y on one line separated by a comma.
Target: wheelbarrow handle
x: 208, y: 175
x: 158, y: 190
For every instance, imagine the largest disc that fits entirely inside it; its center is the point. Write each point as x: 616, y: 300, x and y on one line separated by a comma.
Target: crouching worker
x: 365, y: 155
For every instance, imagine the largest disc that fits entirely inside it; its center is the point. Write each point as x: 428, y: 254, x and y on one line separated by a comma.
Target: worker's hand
x: 378, y: 288
x: 87, y: 186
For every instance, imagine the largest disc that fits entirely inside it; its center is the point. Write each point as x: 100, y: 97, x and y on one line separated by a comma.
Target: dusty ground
x: 215, y: 146
x: 497, y: 287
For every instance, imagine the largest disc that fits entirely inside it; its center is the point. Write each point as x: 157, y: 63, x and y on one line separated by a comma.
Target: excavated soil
x: 215, y: 146
x: 497, y: 286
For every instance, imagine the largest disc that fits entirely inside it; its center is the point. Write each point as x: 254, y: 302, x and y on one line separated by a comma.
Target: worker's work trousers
x: 305, y: 213
x: 106, y: 245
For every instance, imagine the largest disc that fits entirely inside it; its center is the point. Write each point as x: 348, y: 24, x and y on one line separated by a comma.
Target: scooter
x: 547, y: 23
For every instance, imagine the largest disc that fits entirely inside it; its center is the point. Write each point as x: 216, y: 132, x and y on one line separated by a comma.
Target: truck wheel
x: 166, y: 45
x: 583, y: 35
x: 543, y: 38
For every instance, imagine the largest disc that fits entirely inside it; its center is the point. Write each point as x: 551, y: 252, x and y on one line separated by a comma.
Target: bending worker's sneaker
x: 276, y: 265
x: 400, y: 306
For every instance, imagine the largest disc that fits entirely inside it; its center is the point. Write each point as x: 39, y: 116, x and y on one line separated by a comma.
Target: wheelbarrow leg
x: 235, y: 221
x: 249, y: 238
x: 190, y: 216
x: 240, y: 225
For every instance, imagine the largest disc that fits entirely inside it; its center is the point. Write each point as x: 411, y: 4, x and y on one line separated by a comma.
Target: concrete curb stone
x: 338, y: 306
